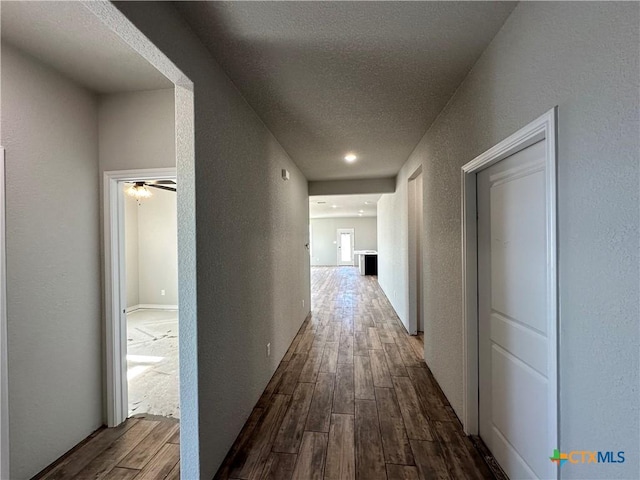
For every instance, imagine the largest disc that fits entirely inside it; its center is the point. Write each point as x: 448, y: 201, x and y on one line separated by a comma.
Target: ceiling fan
x: 139, y: 189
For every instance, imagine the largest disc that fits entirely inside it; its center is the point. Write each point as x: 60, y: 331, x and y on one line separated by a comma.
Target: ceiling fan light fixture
x: 139, y: 190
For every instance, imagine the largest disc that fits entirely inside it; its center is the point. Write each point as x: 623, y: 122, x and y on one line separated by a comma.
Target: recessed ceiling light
x: 368, y: 203
x: 350, y: 158
x: 360, y: 211
x: 334, y: 206
x: 359, y: 214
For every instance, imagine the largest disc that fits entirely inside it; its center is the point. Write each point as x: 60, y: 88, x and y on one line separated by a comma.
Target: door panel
x: 518, y: 264
x: 345, y: 246
x: 513, y: 343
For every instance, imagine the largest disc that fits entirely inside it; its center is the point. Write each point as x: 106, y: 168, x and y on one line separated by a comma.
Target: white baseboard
x: 151, y: 306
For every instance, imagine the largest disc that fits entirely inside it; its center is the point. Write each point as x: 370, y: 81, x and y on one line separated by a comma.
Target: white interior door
x: 345, y: 246
x: 512, y: 313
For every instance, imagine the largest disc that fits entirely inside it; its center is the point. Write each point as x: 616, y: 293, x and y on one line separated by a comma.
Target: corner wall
x: 49, y: 130
x: 393, y: 242
x: 252, y: 227
x: 582, y: 57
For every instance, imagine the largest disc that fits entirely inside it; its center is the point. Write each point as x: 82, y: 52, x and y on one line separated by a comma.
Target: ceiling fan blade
x: 162, y: 182
x: 162, y: 187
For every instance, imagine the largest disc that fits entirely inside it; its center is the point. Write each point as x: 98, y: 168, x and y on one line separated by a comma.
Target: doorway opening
x: 510, y: 328
x: 151, y: 278
x: 343, y: 231
x: 416, y: 234
x: 343, y: 234
x: 141, y: 228
x: 345, y: 244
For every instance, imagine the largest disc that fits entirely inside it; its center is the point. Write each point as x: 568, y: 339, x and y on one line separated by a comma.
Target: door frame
x: 353, y: 245
x: 115, y: 285
x: 4, y: 371
x: 413, y: 271
x: 543, y: 128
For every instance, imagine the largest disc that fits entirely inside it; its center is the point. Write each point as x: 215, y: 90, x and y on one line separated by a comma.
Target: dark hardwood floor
x: 140, y: 448
x: 351, y: 399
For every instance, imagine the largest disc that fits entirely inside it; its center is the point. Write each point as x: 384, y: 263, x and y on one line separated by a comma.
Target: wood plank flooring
x: 352, y: 399
x: 140, y: 448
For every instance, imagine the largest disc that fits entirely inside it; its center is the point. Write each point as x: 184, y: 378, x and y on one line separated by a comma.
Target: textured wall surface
x: 137, y: 130
x: 393, y: 242
x: 324, y: 231
x: 252, y: 227
x: 351, y: 187
x: 49, y: 130
x: 583, y: 58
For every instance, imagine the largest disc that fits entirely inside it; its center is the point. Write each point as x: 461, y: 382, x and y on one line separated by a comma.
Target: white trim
x: 150, y: 306
x: 115, y: 290
x: 543, y: 128
x: 4, y: 373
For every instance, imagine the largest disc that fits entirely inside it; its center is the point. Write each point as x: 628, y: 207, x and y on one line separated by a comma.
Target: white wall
x: 582, y: 57
x: 49, y: 128
x: 137, y: 130
x: 393, y: 243
x: 151, y: 246
x: 252, y: 264
x: 324, y: 232
x: 158, y: 249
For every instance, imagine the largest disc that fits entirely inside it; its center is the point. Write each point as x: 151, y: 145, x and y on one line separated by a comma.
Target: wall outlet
x: 268, y: 350
x: 163, y: 292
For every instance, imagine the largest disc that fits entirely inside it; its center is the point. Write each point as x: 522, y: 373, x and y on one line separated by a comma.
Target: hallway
x: 352, y: 398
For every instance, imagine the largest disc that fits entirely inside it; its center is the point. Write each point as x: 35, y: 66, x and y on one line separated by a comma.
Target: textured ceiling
x: 335, y: 206
x: 329, y: 78
x: 72, y: 40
